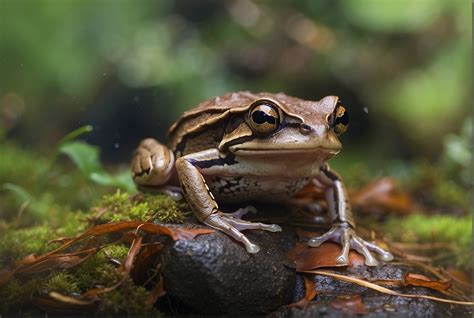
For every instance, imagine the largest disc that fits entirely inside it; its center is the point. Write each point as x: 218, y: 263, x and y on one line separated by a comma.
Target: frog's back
x: 202, y: 127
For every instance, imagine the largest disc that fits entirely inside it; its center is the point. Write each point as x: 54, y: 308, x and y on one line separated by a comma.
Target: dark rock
x: 213, y: 274
x: 377, y: 304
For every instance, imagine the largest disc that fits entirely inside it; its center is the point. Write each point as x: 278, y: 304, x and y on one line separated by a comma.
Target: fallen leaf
x: 308, y: 258
x: 33, y: 265
x: 351, y: 304
x: 383, y: 194
x: 411, y: 279
x: 55, y: 260
x: 144, y: 262
x: 309, y: 293
x: 157, y: 292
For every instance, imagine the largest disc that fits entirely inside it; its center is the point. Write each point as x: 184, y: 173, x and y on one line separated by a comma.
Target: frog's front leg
x: 343, y: 229
x: 152, y: 167
x: 190, y: 170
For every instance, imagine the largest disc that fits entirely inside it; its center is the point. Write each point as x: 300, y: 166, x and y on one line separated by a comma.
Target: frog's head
x: 278, y: 124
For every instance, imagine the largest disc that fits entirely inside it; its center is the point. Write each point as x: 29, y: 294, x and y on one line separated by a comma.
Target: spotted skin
x: 239, y: 189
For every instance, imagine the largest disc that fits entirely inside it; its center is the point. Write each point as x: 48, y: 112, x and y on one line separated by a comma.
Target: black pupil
x: 344, y: 119
x: 260, y: 117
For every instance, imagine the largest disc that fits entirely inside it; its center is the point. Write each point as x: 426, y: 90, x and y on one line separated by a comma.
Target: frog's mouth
x: 283, y: 151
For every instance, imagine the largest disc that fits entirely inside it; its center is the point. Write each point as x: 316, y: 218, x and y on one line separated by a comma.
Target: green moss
x: 128, y: 299
x: 18, y: 293
x: 62, y: 283
x: 21, y: 242
x: 145, y: 207
x: 436, y: 229
x: 96, y: 271
x: 117, y: 251
x: 165, y: 209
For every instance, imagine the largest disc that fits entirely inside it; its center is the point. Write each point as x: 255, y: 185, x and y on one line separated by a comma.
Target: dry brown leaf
x: 144, y: 262
x: 157, y: 292
x: 384, y: 290
x: 55, y: 260
x: 308, y: 258
x: 32, y: 264
x: 385, y: 195
x: 309, y: 293
x: 351, y: 304
x: 411, y: 279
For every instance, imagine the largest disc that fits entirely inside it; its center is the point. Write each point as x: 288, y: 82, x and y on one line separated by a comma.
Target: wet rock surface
x: 333, y: 292
x: 213, y: 274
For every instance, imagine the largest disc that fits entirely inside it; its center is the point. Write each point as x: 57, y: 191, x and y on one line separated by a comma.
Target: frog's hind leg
x: 190, y: 169
x: 152, y: 167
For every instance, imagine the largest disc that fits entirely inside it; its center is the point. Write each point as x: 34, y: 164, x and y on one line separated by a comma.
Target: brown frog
x: 266, y: 147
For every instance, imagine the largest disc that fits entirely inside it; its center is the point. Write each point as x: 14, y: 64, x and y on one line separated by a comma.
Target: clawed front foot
x: 231, y: 224
x: 345, y: 235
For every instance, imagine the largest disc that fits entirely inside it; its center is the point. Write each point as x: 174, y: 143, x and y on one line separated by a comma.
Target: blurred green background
x: 130, y: 68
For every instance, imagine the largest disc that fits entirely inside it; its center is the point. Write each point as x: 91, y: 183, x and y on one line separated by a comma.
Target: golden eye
x: 339, y: 120
x: 264, y: 118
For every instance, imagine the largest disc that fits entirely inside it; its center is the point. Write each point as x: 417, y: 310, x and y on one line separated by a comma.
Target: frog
x: 262, y: 147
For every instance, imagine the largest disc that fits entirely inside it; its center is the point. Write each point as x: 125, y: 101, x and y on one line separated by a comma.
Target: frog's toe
x: 230, y: 226
x: 252, y: 248
x: 273, y: 228
x: 247, y: 225
x: 343, y: 258
x: 360, y: 246
x: 241, y: 212
x: 384, y: 255
x: 317, y: 241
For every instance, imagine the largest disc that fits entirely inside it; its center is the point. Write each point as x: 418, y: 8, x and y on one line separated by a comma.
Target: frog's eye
x: 264, y: 118
x: 339, y: 120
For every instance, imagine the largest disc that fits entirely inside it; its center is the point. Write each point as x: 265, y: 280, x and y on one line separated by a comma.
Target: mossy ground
x: 98, y: 270
x: 32, y: 213
x: 65, y: 204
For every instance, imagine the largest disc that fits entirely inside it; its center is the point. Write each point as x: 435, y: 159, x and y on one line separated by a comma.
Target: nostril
x: 305, y: 129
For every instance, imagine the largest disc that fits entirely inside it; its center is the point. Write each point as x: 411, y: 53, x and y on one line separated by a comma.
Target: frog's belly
x: 238, y: 189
